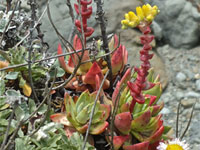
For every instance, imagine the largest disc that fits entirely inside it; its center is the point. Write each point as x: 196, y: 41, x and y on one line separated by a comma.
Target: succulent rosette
x: 144, y: 122
x: 78, y: 114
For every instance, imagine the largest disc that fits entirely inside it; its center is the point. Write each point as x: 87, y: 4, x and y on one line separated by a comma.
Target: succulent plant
x: 143, y: 122
x: 78, y: 113
x: 89, y: 70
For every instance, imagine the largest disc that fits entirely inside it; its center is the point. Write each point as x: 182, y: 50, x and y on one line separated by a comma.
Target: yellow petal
x: 132, y: 24
x: 146, y: 9
x: 140, y: 13
x: 132, y: 16
x: 124, y: 22
x: 126, y: 16
x: 26, y: 89
x: 149, y: 18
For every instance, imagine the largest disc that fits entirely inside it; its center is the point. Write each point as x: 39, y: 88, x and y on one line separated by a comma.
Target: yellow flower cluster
x: 144, y: 13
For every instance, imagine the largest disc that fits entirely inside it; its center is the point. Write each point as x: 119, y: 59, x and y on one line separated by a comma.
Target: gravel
x: 183, y: 68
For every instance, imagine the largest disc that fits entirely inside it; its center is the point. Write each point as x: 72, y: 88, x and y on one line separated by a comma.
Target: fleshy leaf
x: 123, y: 122
x: 118, y: 141
x: 156, y: 91
x: 98, y: 128
x: 25, y: 86
x: 141, y: 121
x: 139, y: 146
x: 60, y: 118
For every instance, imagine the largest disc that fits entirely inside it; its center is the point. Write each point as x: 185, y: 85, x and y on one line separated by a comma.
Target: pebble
x: 197, y: 106
x: 192, y: 94
x: 197, y: 83
x: 188, y: 103
x: 165, y: 111
x: 181, y: 76
x: 180, y: 95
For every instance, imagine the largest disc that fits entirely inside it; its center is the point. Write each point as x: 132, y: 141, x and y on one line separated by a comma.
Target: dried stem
x: 8, y: 5
x: 187, y: 127
x: 93, y: 109
x: 101, y: 20
x: 177, y: 120
x: 33, y: 18
x: 73, y: 20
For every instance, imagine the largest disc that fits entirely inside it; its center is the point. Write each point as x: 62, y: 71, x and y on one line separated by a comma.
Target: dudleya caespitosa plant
x: 136, y: 95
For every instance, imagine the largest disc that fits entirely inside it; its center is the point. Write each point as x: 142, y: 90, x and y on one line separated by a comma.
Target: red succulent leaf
x: 90, y: 76
x: 85, y: 2
x: 119, y: 59
x: 106, y: 110
x: 114, y: 42
x: 62, y: 60
x: 93, y: 75
x: 60, y: 118
x: 157, y: 108
x: 152, y: 99
x: 82, y: 129
x: 157, y: 135
x: 123, y: 122
x: 139, y: 146
x: 126, y: 76
x: 124, y: 79
x: 142, y: 120
x: 118, y: 141
x: 115, y: 93
x: 98, y: 128
x: 154, y: 146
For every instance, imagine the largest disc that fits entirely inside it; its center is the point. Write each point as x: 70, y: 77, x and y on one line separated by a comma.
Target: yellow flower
x: 131, y: 20
x: 144, y: 13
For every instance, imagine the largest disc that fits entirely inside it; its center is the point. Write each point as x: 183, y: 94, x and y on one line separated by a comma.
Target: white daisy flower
x: 175, y: 144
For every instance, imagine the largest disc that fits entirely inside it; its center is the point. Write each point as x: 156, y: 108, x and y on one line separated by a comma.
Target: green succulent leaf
x: 83, y: 116
x: 156, y: 91
x: 2, y: 86
x: 12, y: 75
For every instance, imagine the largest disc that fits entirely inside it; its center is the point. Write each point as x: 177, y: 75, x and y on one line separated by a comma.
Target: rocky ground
x: 183, y: 70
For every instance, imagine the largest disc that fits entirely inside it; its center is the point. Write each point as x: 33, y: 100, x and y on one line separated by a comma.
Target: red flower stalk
x: 140, y: 83
x: 85, y: 14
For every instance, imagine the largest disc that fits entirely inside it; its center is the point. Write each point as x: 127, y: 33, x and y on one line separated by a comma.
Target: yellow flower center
x: 174, y: 147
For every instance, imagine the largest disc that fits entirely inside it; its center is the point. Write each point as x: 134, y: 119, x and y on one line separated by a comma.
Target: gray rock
x: 114, y: 13
x: 180, y: 77
x: 189, y: 74
x: 179, y: 21
x: 180, y: 95
x: 157, y: 30
x: 192, y: 94
x: 187, y: 103
x: 197, y: 106
x: 197, y: 83
x: 165, y: 111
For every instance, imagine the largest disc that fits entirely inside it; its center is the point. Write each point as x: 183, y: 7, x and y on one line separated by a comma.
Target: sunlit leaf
x: 25, y: 86
x: 12, y: 75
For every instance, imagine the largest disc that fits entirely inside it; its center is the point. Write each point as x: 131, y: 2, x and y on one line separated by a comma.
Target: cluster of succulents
x: 135, y: 96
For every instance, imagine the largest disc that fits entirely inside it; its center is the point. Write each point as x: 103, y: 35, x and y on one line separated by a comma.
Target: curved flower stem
x: 141, y: 83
